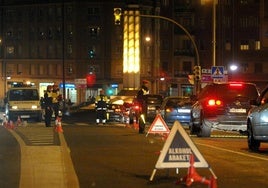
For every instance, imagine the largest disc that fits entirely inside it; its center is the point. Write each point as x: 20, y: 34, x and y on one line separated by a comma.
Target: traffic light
x: 117, y: 16
x: 197, y: 73
x: 110, y: 91
x: 91, y: 53
x: 191, y: 79
x: 91, y: 79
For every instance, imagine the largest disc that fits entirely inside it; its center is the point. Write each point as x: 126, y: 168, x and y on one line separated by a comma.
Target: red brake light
x: 235, y: 84
x: 136, y: 107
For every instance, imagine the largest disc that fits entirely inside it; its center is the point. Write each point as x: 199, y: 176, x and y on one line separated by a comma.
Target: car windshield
x: 176, y: 102
x: 248, y: 91
x: 152, y: 99
x: 23, y: 95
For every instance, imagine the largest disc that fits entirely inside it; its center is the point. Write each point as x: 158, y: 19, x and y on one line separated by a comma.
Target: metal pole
x: 214, y: 34
x: 63, y: 59
x: 180, y: 26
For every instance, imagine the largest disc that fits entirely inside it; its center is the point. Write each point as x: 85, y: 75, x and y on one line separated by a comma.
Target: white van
x: 24, y: 103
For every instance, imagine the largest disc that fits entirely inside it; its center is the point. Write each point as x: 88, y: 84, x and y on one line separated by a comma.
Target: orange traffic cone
x: 135, y: 123
x: 58, y: 127
x: 18, y: 123
x: 193, y: 176
x: 11, y: 125
x: 5, y: 122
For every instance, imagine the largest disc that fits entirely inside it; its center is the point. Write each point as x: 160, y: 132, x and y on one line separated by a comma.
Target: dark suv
x: 222, y: 106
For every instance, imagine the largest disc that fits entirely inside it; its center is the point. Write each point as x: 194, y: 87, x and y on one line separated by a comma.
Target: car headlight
x: 14, y: 107
x: 34, y: 107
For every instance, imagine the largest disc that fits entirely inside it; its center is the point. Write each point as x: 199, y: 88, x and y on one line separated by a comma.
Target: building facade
x: 44, y: 45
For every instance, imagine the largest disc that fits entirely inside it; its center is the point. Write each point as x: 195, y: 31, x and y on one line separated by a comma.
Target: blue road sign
x: 217, y: 72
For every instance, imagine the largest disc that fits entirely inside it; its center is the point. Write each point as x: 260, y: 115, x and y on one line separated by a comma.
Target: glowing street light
x: 233, y: 67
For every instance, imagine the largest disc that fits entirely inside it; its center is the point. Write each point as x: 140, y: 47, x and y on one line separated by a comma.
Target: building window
x: 33, y: 51
x: 41, y: 15
x: 10, y: 50
x: 228, y: 45
x: 41, y: 69
x: 243, y: 2
x: 41, y: 34
x: 51, y: 51
x: 257, y: 45
x: 244, y: 45
x: 59, y: 14
x: 33, y: 69
x: 93, y: 14
x: 94, y: 31
x: 70, y: 49
x: 187, y: 67
x: 69, y: 12
x: 20, y: 51
x: 50, y: 33
x: 258, y: 68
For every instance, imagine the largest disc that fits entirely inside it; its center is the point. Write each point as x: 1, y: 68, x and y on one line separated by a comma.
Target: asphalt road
x: 108, y: 156
x: 117, y: 156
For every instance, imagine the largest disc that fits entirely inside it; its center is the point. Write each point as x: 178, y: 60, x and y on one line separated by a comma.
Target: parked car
x: 118, y: 109
x: 222, y: 106
x: 257, y: 121
x: 176, y: 108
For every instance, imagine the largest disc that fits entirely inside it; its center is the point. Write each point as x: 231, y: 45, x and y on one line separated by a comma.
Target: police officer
x: 55, y: 100
x: 48, y: 106
x: 101, y: 103
x: 144, y: 90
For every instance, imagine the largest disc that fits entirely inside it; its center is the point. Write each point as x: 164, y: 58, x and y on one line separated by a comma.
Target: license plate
x: 110, y: 110
x: 25, y: 116
x: 238, y: 110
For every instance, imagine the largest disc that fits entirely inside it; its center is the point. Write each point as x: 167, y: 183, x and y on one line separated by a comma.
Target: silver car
x: 257, y: 121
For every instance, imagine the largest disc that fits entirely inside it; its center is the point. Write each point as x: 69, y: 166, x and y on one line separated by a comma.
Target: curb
x: 46, y: 166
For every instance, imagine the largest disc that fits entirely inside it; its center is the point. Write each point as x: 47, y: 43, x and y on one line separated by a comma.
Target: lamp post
x: 214, y: 33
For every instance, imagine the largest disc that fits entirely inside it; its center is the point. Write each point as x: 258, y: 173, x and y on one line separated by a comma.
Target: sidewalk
x: 46, y: 166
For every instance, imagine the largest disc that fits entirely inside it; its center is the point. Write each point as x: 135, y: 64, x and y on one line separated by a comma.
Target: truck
x: 23, y: 103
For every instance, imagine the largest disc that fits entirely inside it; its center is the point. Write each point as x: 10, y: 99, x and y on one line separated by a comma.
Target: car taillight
x: 168, y: 110
x: 117, y: 110
x: 235, y: 84
x: 214, y: 102
x: 136, y: 107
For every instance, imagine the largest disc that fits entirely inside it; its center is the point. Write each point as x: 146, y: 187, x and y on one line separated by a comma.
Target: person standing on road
x: 48, y: 106
x: 55, y: 100
x: 144, y: 90
x: 101, y: 103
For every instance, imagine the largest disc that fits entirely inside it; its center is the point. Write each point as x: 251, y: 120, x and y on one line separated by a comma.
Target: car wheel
x: 193, y: 129
x: 252, y: 143
x: 205, y: 131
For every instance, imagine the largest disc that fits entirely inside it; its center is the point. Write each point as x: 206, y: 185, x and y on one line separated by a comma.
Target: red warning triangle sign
x: 178, y: 149
x: 158, y: 126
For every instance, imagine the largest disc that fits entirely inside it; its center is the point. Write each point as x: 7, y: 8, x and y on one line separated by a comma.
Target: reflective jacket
x: 101, y: 102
